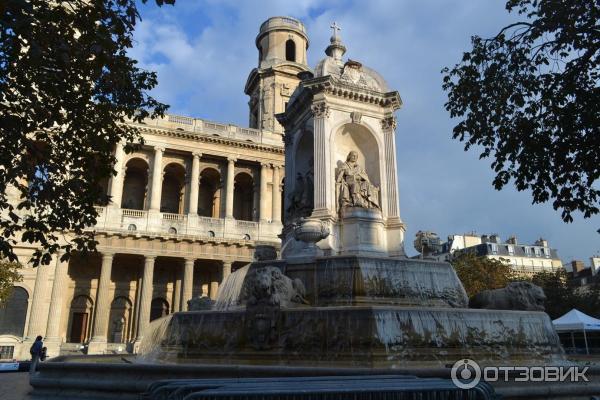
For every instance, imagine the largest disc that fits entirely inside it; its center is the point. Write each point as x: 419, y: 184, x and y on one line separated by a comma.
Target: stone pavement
x: 14, y: 386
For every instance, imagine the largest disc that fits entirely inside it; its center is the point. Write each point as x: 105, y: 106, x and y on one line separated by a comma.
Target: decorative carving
x: 388, y: 124
x: 285, y: 89
x: 515, y: 296
x: 356, y: 117
x: 269, y: 286
x: 427, y: 243
x: 353, y: 185
x: 320, y: 110
x: 353, y: 74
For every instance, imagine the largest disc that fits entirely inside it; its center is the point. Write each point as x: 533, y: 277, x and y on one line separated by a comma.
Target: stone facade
x: 187, y: 208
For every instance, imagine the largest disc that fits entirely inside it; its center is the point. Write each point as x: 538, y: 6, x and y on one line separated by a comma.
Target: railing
x: 178, y: 119
x: 246, y: 224
x: 139, y: 222
x: 99, y: 211
x: 249, y: 132
x: 173, y: 217
x: 214, y: 127
x: 202, y: 127
x: 133, y: 213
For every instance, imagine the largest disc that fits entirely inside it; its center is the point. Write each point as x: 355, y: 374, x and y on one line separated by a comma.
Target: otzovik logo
x: 465, y: 374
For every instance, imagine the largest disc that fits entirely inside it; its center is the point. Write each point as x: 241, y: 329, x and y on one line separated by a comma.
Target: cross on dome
x: 335, y: 28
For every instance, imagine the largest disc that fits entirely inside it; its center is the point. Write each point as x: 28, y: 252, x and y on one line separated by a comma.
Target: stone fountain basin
x: 369, y: 280
x: 355, y: 336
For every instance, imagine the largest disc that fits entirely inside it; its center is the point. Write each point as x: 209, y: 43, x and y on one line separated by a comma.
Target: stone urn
x: 310, y: 231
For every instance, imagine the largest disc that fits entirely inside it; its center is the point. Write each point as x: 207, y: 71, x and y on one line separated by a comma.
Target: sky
x: 203, y: 51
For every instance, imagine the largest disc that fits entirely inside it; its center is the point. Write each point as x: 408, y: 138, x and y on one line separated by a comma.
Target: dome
x: 352, y: 73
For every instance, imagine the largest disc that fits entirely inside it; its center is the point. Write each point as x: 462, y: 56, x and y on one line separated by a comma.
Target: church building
x: 191, y: 205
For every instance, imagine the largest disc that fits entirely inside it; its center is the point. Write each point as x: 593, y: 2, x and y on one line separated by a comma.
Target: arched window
x: 171, y: 200
x: 134, y: 184
x: 209, y: 193
x: 243, y: 197
x: 290, y: 50
x: 14, y: 312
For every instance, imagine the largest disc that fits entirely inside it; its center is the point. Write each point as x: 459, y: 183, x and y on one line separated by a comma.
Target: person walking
x: 36, y: 353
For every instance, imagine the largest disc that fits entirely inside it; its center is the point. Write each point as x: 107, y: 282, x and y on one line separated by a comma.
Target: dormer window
x: 290, y: 50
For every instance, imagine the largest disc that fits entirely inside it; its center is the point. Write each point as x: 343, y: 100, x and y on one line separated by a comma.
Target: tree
x: 481, y: 273
x: 9, y: 274
x: 562, y: 296
x: 66, y: 87
x: 530, y: 98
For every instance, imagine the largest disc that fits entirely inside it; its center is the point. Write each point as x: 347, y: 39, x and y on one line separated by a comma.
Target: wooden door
x: 79, y: 327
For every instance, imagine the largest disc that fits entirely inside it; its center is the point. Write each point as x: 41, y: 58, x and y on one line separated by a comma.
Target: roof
x: 575, y: 320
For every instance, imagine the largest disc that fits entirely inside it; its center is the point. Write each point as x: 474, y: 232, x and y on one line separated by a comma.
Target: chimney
x: 494, y: 238
x: 512, y: 240
x: 541, y: 242
x: 577, y: 266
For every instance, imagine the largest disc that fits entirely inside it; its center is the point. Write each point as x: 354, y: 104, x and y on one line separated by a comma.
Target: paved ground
x: 14, y: 386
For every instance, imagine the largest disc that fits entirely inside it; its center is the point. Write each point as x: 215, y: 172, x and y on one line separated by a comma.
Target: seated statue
x: 355, y: 189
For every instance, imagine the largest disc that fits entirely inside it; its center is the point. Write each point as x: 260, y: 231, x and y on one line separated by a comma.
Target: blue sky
x: 203, y: 51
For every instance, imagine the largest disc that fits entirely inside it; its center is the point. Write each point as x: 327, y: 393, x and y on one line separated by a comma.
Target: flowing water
x: 153, y: 338
x: 229, y: 290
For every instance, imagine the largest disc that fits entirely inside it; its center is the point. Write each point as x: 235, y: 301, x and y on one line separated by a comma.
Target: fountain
x: 342, y: 298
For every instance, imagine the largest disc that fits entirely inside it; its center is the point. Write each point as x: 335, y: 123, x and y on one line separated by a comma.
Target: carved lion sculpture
x: 268, y: 285
x: 515, y: 296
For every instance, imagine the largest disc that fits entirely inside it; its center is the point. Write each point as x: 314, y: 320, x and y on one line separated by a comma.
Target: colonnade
x: 38, y: 323
x: 155, y: 186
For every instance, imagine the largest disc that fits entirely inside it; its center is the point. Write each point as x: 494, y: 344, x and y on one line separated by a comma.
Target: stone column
x: 388, y: 126
x: 264, y: 168
x: 39, y: 303
x: 146, y: 296
x: 255, y: 202
x: 225, y: 270
x: 177, y: 291
x: 157, y: 173
x: 214, y: 289
x: 194, y: 182
x: 229, y: 187
x: 116, y: 183
x: 323, y: 177
x: 188, y: 282
x: 276, y: 217
x: 53, y: 338
x: 99, y: 333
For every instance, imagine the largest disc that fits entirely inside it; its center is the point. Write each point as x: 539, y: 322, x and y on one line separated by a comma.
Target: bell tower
x: 282, y: 44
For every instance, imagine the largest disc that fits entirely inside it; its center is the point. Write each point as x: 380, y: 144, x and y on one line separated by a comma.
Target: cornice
x: 181, y: 134
x: 336, y: 87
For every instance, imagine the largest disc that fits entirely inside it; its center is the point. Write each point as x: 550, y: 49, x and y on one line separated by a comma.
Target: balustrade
x: 133, y: 213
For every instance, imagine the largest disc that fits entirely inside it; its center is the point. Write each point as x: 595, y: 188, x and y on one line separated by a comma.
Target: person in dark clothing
x: 36, y: 352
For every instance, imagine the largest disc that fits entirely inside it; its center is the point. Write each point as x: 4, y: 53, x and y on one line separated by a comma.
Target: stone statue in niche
x: 118, y: 325
x: 354, y: 187
x: 302, y: 198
